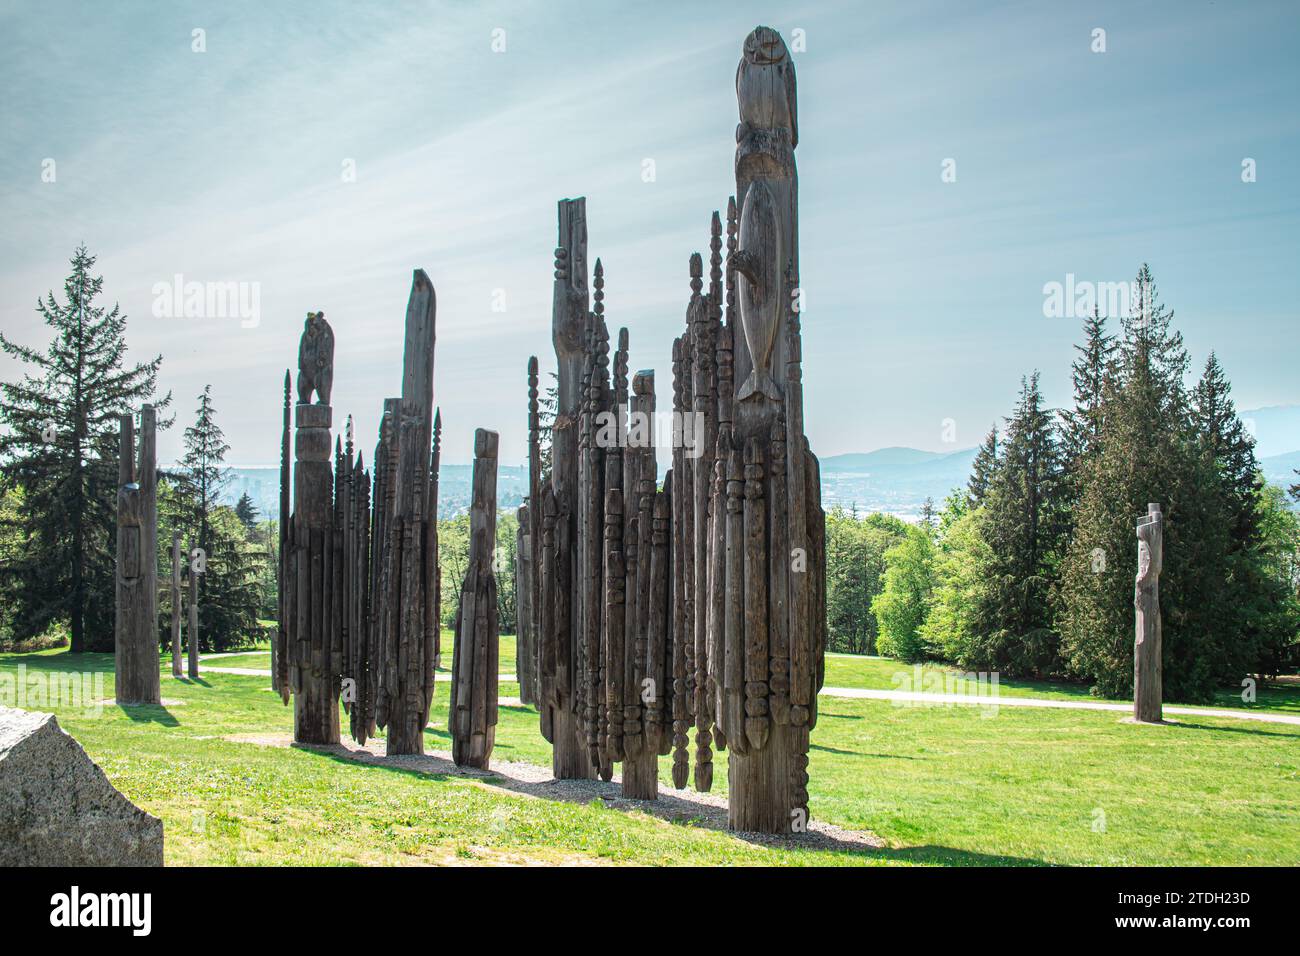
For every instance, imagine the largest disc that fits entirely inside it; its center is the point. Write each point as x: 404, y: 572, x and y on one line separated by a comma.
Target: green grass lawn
x: 941, y: 785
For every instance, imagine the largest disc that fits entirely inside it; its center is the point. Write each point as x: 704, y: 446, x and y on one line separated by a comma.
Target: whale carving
x: 756, y: 260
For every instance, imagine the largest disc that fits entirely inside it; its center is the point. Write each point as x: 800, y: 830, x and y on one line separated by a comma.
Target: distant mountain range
x: 896, y: 480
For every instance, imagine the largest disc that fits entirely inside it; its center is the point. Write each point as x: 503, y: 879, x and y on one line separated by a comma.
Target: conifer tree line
x: 58, y: 487
x: 1030, y: 569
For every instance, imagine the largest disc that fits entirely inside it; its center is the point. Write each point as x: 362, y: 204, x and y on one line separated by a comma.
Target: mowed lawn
x: 940, y: 785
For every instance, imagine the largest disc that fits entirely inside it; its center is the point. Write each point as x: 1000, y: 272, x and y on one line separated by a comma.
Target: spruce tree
x: 206, y: 475
x: 228, y: 590
x: 1147, y: 453
x: 59, y: 448
x: 1091, y: 372
x: 1022, y: 526
x: 246, y: 512
x: 983, y: 467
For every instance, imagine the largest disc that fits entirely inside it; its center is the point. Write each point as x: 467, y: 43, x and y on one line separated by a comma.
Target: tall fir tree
x: 982, y: 468
x: 229, y: 595
x: 206, y: 474
x: 247, y: 512
x: 1091, y: 373
x: 1147, y: 453
x: 1022, y: 525
x: 59, y: 448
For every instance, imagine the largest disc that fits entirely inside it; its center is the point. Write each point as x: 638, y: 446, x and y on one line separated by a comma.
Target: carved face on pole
x: 765, y: 86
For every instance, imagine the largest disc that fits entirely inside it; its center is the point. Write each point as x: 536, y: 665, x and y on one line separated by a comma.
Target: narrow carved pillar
x: 135, y: 675
x: 1147, y: 691
x: 473, y: 712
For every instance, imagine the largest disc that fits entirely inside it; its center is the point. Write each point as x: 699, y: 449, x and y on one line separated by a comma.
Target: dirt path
x: 707, y: 810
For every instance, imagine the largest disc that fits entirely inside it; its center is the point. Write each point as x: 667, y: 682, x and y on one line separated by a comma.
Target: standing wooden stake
x: 1147, y: 692
x: 177, y: 610
x: 472, y: 717
x: 192, y: 635
x: 311, y: 673
x: 135, y: 674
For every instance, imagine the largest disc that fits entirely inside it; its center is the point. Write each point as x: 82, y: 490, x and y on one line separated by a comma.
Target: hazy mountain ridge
x: 895, y: 479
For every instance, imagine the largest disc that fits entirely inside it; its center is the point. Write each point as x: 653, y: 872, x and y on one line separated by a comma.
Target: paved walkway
x: 973, y: 700
x: 1004, y: 701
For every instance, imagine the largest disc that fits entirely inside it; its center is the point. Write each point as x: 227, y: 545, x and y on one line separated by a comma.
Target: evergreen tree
x: 983, y: 467
x: 229, y: 595
x: 1147, y: 453
x: 59, y: 447
x: 205, y: 453
x: 1022, y: 527
x: 247, y: 512
x: 1091, y: 373
x: 1226, y: 443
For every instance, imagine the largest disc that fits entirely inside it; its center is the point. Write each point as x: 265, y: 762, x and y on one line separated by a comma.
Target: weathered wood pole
x: 525, y: 642
x: 1147, y: 688
x: 311, y: 669
x: 177, y: 609
x: 472, y: 717
x: 774, y: 561
x: 135, y: 675
x: 192, y: 629
x: 279, y: 659
x: 562, y: 719
x: 406, y: 681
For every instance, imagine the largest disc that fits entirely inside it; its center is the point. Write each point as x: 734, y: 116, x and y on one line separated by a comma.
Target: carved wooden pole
x: 472, y: 718
x: 531, y: 645
x: 1147, y: 691
x: 561, y: 682
x: 525, y: 653
x: 774, y: 554
x: 135, y: 675
x: 279, y: 662
x: 311, y: 667
x: 192, y: 602
x: 408, y: 675
x: 177, y: 610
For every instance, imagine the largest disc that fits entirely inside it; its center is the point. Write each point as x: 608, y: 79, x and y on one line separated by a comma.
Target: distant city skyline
x: 954, y: 162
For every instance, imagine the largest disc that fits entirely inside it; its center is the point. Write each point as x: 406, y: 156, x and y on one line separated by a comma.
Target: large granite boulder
x: 56, y: 806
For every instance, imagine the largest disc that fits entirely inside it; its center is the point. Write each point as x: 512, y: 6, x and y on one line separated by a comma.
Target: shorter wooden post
x: 472, y: 715
x: 176, y: 604
x: 193, y: 636
x: 1147, y: 691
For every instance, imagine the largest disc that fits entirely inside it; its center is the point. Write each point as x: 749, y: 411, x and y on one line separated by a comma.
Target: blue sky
x: 924, y: 297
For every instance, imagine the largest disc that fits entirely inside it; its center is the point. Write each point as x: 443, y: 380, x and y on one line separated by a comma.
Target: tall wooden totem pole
x: 135, y: 675
x: 360, y: 596
x: 1147, y: 691
x: 472, y: 718
x: 765, y: 537
x: 702, y: 603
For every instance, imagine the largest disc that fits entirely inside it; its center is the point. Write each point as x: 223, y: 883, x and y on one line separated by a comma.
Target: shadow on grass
x: 1180, y: 722
x: 687, y: 809
x: 149, y: 713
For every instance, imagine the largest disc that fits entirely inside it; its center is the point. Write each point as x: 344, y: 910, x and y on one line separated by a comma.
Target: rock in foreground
x: 56, y: 806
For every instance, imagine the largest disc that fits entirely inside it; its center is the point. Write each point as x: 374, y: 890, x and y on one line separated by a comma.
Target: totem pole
x: 279, y: 665
x: 176, y: 604
x: 1147, y: 689
x: 525, y: 652
x: 192, y: 603
x: 472, y: 717
x: 768, y: 653
x: 308, y: 651
x: 560, y: 640
x: 135, y: 675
